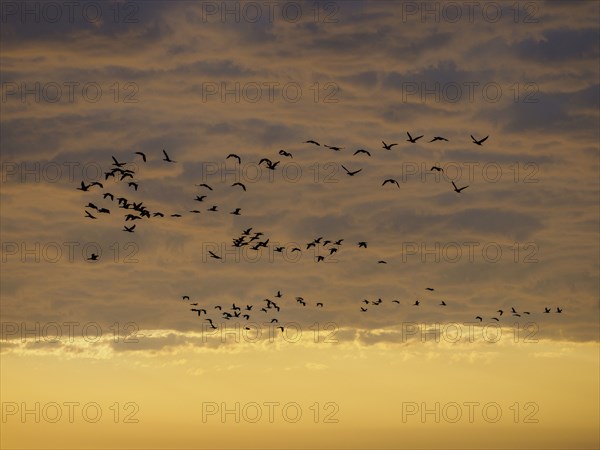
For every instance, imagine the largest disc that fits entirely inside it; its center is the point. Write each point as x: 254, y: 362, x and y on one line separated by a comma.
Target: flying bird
x: 429, y: 289
x: 204, y: 185
x: 480, y: 318
x: 439, y: 169
x: 239, y: 184
x: 390, y: 180
x: 333, y: 147
x: 129, y: 229
x: 236, y: 212
x: 142, y: 155
x: 413, y: 140
x: 84, y: 187
x: 284, y: 153
x: 93, y: 257
x: 212, y: 255
x: 117, y: 163
x: 351, y: 173
x: 133, y: 184
x: 88, y: 215
x: 233, y: 155
x: 362, y: 244
x: 479, y: 142
x: 438, y: 138
x: 166, y: 158
x: 362, y: 151
x: 457, y: 190
x: 312, y: 142
x: 387, y: 146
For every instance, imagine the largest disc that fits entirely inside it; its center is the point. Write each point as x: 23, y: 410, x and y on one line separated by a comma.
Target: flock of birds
x: 266, y: 309
x: 322, y: 247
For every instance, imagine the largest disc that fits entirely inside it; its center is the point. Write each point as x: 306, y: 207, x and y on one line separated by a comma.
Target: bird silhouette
x: 88, y: 215
x: 362, y: 151
x: 319, y: 304
x: 204, y: 185
x: 333, y: 147
x: 413, y: 140
x: 142, y: 155
x: 438, y: 138
x: 284, y: 153
x: 117, y: 163
x: 236, y: 212
x: 416, y: 303
x: 239, y: 184
x: 362, y: 244
x: 84, y: 187
x: 212, y: 208
x: 387, y: 146
x: 233, y: 155
x: 479, y: 142
x: 480, y: 318
x: 129, y: 229
x: 133, y: 184
x: 443, y: 303
x: 93, y: 257
x: 166, y: 158
x: 391, y: 180
x: 457, y: 190
x: 312, y: 142
x: 351, y: 173
x: 214, y: 256
x: 439, y: 169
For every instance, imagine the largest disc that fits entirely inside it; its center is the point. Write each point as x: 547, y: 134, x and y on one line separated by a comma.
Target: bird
x: 429, y: 289
x: 278, y: 295
x: 365, y: 301
x: 439, y: 169
x: 133, y: 184
x: 396, y: 301
x: 381, y: 261
x: 117, y: 163
x: 319, y: 304
x: 212, y: 208
x: 496, y: 319
x: 211, y: 323
x: 212, y: 255
x: 166, y: 158
x: 360, y: 150
x: 175, y: 215
x: 195, y: 211
x: 91, y: 205
x: 129, y: 229
x: 438, y: 138
x: 500, y: 311
x: 104, y: 210
x: 218, y: 307
x: 284, y: 153
x: 142, y: 155
x: 239, y: 184
x: 417, y: 303
x: 205, y: 185
x: 457, y: 190
x: 362, y: 244
x: 96, y: 183
x: 185, y: 297
x: 296, y: 249
x: 413, y: 140
x: 233, y: 155
x: 390, y: 180
x: 351, y: 173
x: 158, y: 214
x: 312, y: 142
x: 443, y: 303
x: 387, y: 146
x: 513, y: 310
x: 480, y: 318
x: 93, y: 257
x: 320, y: 258
x: 546, y: 310
x: 236, y: 212
x: 558, y: 310
x: 84, y: 187
x: 280, y: 328
x: 363, y: 309
x: 88, y: 215
x: 200, y: 198
x: 479, y: 142
x: 333, y: 147
x: 108, y: 194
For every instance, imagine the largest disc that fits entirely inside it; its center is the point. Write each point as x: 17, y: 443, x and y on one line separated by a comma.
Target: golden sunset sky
x: 107, y: 354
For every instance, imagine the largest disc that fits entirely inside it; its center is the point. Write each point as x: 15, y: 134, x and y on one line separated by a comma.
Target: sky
x: 109, y: 352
